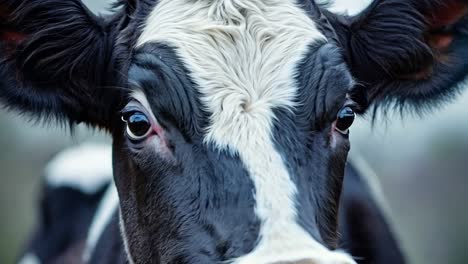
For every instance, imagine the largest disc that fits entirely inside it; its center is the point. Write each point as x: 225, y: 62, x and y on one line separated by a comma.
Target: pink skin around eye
x: 158, y: 139
x: 336, y: 138
x: 157, y: 129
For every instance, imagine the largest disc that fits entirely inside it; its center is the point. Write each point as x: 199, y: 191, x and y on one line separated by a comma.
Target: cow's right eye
x: 344, y: 120
x: 138, y: 125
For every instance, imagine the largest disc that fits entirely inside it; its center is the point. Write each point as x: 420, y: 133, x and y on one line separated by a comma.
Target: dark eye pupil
x: 138, y: 124
x: 345, y: 118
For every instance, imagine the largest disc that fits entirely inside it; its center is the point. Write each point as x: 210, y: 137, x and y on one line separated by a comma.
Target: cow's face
x: 235, y: 134
x: 230, y: 117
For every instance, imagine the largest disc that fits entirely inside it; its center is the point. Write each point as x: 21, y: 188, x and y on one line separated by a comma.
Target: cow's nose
x: 310, y: 261
x: 323, y: 257
x: 336, y: 259
x: 304, y: 261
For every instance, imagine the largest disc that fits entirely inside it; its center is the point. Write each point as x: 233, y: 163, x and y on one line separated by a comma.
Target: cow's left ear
x: 413, y: 51
x: 56, y: 61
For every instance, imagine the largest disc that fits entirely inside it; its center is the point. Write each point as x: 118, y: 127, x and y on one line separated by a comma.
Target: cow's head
x: 229, y: 117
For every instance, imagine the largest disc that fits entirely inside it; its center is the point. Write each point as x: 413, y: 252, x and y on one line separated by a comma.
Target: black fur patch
x: 388, y: 48
x: 56, y: 70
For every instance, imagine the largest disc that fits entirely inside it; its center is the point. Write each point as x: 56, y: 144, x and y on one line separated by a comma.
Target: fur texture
x: 412, y: 73
x: 246, y: 93
x: 107, y: 208
x: 243, y: 58
x: 56, y: 69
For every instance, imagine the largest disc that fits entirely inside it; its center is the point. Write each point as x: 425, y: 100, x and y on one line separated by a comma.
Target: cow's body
x: 70, y: 199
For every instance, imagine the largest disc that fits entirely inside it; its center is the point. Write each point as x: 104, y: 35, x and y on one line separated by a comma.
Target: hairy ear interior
x: 448, y: 14
x: 9, y: 36
x: 55, y: 58
x: 412, y: 52
x: 439, y: 35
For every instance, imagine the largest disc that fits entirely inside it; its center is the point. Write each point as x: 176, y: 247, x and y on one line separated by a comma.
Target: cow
x: 229, y: 118
x: 78, y: 220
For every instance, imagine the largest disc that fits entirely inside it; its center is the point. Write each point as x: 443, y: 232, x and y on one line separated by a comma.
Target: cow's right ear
x: 56, y: 61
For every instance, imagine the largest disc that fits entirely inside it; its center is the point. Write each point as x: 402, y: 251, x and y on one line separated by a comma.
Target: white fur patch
x: 243, y: 56
x: 86, y: 167
x: 106, y: 209
x: 347, y: 7
x: 29, y: 258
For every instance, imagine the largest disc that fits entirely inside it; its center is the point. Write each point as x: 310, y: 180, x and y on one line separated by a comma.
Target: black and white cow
x: 73, y: 195
x: 229, y: 118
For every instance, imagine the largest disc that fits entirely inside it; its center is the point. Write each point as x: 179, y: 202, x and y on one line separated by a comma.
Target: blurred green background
x: 422, y: 164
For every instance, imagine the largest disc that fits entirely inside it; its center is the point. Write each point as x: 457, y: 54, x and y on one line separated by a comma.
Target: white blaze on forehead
x: 243, y: 56
x: 346, y: 6
x: 86, y: 167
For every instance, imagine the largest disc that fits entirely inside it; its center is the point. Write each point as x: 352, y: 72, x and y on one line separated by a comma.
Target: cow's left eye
x: 138, y: 125
x: 344, y: 120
